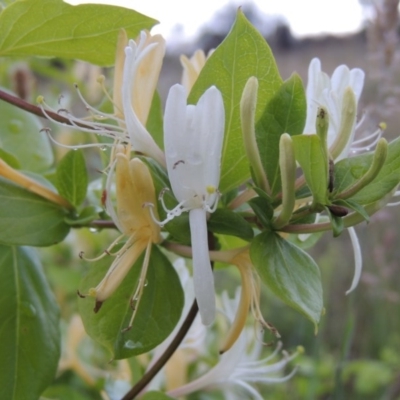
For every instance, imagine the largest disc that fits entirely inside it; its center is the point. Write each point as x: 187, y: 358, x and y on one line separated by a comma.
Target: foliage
x: 134, y: 298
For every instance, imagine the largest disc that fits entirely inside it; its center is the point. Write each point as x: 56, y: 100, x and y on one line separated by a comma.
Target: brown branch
x: 24, y: 105
x: 36, y: 110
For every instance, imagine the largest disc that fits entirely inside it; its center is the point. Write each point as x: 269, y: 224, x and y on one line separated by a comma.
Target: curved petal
x: 357, y: 259
x: 141, y: 139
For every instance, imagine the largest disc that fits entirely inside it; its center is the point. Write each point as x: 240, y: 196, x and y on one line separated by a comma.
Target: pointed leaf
x: 158, y: 312
x: 289, y: 272
x: 28, y: 219
x: 285, y: 113
x: 311, y: 158
x: 52, y: 28
x: 243, y: 53
x: 29, y: 333
x: 72, y: 178
x: 21, y: 137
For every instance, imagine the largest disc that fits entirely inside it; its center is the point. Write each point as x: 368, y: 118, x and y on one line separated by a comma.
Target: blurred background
x: 356, y: 353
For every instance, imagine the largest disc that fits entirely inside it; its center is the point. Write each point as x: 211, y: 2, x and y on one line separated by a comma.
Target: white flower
x: 193, y: 137
x: 239, y: 367
x: 330, y: 93
x: 339, y: 95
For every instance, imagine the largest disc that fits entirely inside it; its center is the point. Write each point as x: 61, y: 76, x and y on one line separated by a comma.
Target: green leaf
x: 64, y: 392
x: 304, y: 240
x: 72, y: 178
x: 29, y: 219
x: 156, y: 396
x: 52, y: 28
x: 87, y: 215
x: 349, y: 170
x: 227, y: 222
x: 289, y: 272
x: 20, y: 136
x: 285, y: 113
x: 263, y: 210
x: 311, y: 158
x: 355, y: 207
x: 29, y: 333
x: 10, y: 159
x: 158, y: 311
x: 243, y: 53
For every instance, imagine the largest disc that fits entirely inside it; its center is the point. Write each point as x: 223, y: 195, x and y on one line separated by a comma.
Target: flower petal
x: 357, y: 258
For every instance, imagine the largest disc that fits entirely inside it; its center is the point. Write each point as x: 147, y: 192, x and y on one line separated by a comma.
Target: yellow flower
x: 134, y: 189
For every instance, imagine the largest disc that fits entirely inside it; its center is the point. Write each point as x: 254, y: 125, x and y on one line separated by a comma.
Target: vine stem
x: 24, y: 105
x: 31, y: 108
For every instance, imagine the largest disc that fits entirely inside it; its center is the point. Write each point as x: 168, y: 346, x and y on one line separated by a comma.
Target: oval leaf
x: 28, y: 219
x: 289, y: 272
x: 349, y: 170
x: 72, y: 178
x: 21, y: 137
x: 158, y: 313
x: 56, y: 29
x: 29, y: 333
x: 243, y: 53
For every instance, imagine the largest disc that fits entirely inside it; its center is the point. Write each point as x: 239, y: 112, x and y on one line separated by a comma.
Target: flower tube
x: 193, y: 137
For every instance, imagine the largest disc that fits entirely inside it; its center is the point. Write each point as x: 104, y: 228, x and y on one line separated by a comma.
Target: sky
x: 306, y: 17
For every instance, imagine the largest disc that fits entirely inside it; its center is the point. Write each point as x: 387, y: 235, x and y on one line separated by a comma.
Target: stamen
x: 103, y: 129
x: 75, y: 146
x: 107, y: 251
x: 137, y: 296
x: 94, y: 110
x: 371, y: 140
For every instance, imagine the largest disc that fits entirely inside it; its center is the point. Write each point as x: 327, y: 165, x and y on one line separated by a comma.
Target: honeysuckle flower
x: 331, y: 94
x: 193, y: 137
x: 134, y: 88
x: 240, y: 367
x: 134, y: 189
x: 339, y: 96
